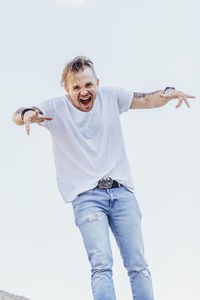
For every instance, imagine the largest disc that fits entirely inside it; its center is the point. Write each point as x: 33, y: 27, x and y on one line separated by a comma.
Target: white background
x: 141, y: 45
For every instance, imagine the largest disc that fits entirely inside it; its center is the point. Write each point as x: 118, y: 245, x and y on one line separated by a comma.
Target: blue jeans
x: 96, y: 210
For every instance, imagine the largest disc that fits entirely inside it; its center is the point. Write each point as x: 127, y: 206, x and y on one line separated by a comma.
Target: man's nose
x: 83, y: 91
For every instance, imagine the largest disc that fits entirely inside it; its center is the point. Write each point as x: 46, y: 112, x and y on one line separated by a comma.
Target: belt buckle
x: 105, y: 183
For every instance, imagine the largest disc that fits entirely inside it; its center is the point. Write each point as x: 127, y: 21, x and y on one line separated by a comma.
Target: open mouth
x: 86, y: 101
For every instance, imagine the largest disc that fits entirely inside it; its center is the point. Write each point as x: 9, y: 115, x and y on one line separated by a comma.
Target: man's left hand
x: 174, y: 94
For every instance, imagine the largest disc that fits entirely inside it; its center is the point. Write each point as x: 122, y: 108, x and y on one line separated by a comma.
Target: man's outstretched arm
x: 158, y: 98
x: 26, y: 116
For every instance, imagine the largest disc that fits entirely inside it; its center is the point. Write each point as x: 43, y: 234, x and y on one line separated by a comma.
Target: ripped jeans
x: 96, y: 210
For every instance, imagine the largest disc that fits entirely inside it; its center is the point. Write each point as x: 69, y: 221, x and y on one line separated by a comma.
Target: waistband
x: 108, y: 183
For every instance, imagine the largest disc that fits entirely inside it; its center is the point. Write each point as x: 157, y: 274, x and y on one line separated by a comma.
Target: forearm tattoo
x: 142, y: 95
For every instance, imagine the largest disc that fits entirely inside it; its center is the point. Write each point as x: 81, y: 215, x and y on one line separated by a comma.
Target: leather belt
x: 108, y: 183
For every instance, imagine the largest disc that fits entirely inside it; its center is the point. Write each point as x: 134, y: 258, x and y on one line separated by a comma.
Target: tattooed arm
x: 158, y: 98
x: 148, y: 100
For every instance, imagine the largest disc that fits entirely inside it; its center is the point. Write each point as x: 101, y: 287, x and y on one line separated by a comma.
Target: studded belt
x: 108, y: 183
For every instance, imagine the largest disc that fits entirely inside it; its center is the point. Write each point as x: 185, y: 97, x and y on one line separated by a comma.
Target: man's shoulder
x: 118, y: 96
x: 51, y: 105
x: 53, y: 101
x: 109, y: 90
x: 57, y: 99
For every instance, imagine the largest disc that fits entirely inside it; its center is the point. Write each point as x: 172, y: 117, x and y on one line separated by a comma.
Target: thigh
x: 125, y: 223
x: 92, y: 222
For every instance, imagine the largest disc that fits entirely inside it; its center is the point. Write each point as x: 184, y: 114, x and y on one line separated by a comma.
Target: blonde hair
x: 74, y: 66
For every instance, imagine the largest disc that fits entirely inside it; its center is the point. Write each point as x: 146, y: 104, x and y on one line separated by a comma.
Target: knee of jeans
x: 101, y: 259
x: 142, y: 272
x: 102, y: 267
x: 101, y: 272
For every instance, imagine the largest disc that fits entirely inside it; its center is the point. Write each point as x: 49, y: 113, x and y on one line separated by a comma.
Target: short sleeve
x: 124, y: 99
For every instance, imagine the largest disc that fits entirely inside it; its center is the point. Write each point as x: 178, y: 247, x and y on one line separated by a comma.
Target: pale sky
x: 140, y: 45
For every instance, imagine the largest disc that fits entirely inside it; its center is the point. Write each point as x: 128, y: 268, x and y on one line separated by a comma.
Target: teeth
x: 88, y: 99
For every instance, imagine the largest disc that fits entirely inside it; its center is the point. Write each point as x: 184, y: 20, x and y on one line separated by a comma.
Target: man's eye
x: 75, y: 88
x: 88, y: 84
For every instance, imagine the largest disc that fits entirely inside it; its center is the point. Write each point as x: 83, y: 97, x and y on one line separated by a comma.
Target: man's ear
x: 67, y: 89
x: 97, y: 81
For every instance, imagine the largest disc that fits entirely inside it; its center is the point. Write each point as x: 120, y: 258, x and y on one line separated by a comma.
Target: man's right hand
x: 33, y: 117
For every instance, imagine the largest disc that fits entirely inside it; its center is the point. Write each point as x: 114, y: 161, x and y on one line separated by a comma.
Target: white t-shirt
x: 88, y: 146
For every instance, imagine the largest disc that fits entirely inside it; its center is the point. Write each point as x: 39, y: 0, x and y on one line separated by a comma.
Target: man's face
x: 82, y: 89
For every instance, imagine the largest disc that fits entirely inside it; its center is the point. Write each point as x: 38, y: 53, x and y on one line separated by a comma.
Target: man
x: 93, y: 172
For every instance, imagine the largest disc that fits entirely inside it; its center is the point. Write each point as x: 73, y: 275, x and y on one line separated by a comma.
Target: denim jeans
x: 94, y: 211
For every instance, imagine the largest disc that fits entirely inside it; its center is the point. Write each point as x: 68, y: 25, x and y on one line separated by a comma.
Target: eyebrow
x: 76, y: 86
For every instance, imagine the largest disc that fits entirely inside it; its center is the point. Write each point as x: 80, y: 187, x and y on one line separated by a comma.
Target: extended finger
x: 36, y: 113
x: 186, y: 101
x: 47, y: 118
x: 42, y: 118
x: 27, y: 125
x: 179, y: 102
x: 189, y: 96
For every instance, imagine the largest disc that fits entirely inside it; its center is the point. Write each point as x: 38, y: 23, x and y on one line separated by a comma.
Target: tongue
x: 86, y: 101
